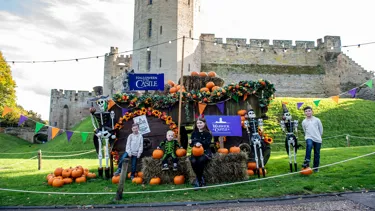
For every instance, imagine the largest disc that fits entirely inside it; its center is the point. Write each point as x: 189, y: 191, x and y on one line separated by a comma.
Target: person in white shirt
x: 133, y: 150
x: 313, y: 128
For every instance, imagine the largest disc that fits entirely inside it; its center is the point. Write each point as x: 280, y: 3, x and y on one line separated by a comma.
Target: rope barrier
x: 59, y: 156
x: 4, y: 167
x: 185, y: 189
x: 15, y: 153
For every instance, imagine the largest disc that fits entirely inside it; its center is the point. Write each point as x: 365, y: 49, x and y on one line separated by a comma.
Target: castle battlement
x: 71, y: 93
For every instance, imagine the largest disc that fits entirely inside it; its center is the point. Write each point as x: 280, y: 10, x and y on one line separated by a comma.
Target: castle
x: 304, y: 69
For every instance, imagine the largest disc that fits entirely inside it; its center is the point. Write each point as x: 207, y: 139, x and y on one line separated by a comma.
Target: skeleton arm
x: 260, y: 124
x: 282, y: 124
x: 296, y: 126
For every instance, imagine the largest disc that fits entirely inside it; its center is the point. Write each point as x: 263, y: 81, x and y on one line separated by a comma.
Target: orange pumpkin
x: 137, y: 180
x: 215, y: 87
x: 194, y: 73
x: 211, y: 74
x: 80, y: 168
x: 91, y: 175
x: 86, y: 171
x: 234, y: 149
x: 155, y: 181
x: 67, y: 180
x: 306, y: 171
x: 173, y: 90
x: 180, y: 152
x: 223, y: 151
x: 58, y: 171
x: 66, y: 173
x: 241, y: 112
x: 252, y: 165
x: 80, y: 179
x: 204, y: 89
x: 197, y: 151
x: 250, y: 172
x: 77, y: 172
x: 140, y: 174
x: 179, y: 180
x: 50, y: 181
x: 57, y: 183
x: 210, y: 84
x: 49, y: 176
x: 203, y: 74
x: 171, y: 83
x: 157, y: 154
x: 116, y: 179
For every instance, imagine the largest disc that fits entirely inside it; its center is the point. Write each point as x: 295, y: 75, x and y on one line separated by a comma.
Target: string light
x: 169, y: 42
x: 308, y: 50
x: 148, y: 49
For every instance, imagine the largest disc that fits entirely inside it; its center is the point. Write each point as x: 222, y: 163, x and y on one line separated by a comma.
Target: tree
x: 7, y: 89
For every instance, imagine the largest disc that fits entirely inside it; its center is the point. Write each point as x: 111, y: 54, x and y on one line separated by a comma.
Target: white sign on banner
x: 143, y: 124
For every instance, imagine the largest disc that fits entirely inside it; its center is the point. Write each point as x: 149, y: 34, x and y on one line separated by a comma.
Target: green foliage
x: 7, y: 88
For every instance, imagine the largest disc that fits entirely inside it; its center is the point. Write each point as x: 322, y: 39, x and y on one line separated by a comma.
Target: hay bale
x: 221, y: 168
x: 197, y: 82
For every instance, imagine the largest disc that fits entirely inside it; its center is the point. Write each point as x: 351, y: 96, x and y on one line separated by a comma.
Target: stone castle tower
x: 158, y: 21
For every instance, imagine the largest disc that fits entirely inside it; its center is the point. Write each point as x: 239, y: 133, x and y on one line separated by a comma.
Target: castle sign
x: 144, y: 81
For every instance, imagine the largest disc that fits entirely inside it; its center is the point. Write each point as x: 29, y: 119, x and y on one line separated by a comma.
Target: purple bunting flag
x: 69, y: 134
x: 299, y: 105
x: 353, y: 92
x: 124, y: 110
x: 220, y: 106
x: 22, y: 120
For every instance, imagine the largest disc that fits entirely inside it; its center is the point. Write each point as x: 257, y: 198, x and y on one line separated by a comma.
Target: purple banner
x: 224, y: 125
x: 353, y: 92
x: 124, y: 110
x: 299, y: 105
x: 220, y: 106
x: 22, y: 120
x: 69, y: 134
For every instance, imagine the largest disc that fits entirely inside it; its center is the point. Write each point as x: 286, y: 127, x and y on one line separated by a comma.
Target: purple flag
x: 22, y: 120
x: 124, y: 110
x: 353, y: 92
x: 299, y: 105
x: 224, y: 125
x: 220, y: 106
x: 69, y: 134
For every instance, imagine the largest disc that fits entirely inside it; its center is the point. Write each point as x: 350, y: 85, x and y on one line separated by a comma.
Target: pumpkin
x: 215, y: 87
x: 157, y: 154
x: 242, y: 118
x: 58, y: 171
x: 66, y: 173
x: 252, y: 165
x: 194, y: 73
x: 173, y: 90
x: 50, y: 181
x: 137, y: 180
x: 204, y: 89
x: 250, y: 172
x: 180, y: 152
x: 234, y: 149
x: 67, y: 180
x: 129, y: 174
x: 80, y: 168
x: 80, y: 179
x: 49, y: 176
x: 211, y: 74
x: 57, y: 183
x: 155, y: 181
x: 76, y: 173
x: 92, y: 110
x: 306, y: 171
x: 91, y: 175
x: 223, y: 151
x: 140, y: 174
x: 241, y: 112
x: 203, y: 74
x: 116, y: 179
x: 179, y: 180
x: 210, y: 84
x: 197, y: 151
x: 261, y: 171
x: 171, y: 83
x: 85, y: 171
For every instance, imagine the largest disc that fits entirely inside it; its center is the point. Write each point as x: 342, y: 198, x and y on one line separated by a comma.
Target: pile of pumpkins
x: 63, y: 176
x: 210, y: 86
x: 203, y: 74
x: 138, y: 179
x: 251, y: 169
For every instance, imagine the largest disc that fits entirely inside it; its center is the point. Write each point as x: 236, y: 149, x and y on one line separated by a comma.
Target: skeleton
x: 252, y: 125
x: 103, y: 122
x: 290, y: 127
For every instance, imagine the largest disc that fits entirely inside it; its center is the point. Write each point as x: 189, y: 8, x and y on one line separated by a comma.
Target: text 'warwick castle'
x: 305, y: 69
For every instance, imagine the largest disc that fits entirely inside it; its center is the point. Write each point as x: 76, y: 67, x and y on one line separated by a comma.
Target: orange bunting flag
x: 336, y: 98
x: 202, y: 106
x: 285, y: 103
x: 6, y: 110
x: 244, y: 97
x: 55, y: 130
x: 110, y: 103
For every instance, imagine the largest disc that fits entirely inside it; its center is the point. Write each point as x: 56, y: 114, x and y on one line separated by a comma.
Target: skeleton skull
x: 287, y: 116
x: 251, y: 114
x: 102, y: 104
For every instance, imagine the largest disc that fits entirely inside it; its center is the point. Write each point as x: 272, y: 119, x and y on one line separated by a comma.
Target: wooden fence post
x: 124, y: 172
x: 40, y: 159
x: 348, y: 140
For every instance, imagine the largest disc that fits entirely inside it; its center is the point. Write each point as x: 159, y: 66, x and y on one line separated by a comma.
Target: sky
x: 35, y: 30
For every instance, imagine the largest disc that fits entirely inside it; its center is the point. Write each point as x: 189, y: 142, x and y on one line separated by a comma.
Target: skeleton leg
x: 106, y: 154
x: 261, y: 158
x: 290, y: 157
x: 100, y: 156
x: 256, y: 158
x: 295, y: 157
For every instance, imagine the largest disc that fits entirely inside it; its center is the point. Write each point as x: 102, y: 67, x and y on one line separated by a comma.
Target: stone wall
x: 25, y: 133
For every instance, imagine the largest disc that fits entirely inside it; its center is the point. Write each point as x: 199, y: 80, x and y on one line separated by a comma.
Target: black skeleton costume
x: 290, y: 127
x: 103, y: 122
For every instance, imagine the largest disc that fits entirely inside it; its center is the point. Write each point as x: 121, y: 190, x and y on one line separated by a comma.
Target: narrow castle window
x: 139, y: 34
x: 148, y: 61
x: 189, y: 2
x: 188, y: 67
x: 190, y: 33
x: 159, y: 62
x: 161, y: 29
x: 149, y: 27
x: 149, y: 1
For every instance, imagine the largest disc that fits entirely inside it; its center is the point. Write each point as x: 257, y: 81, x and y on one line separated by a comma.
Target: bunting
x: 369, y: 83
x: 55, y: 130
x: 6, y: 110
x: 353, y: 92
x: 84, y: 136
x: 69, y: 134
x: 38, y: 126
x: 201, y: 107
x: 124, y: 110
x: 22, y: 120
x: 299, y: 105
x: 285, y: 103
x: 316, y: 102
x: 235, y: 97
x: 244, y: 97
x: 111, y: 103
x: 335, y: 98
x: 220, y: 106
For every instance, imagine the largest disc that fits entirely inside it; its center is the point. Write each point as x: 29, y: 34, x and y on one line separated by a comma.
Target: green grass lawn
x: 354, y: 117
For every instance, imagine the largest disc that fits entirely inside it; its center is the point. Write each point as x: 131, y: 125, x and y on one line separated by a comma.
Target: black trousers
x: 198, y: 164
x: 165, y: 160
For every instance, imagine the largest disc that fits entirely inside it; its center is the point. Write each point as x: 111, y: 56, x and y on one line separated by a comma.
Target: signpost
x: 144, y: 81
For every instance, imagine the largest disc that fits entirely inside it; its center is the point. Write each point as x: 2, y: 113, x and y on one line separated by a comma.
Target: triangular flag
x: 6, y: 110
x: 111, y: 103
x: 316, y: 102
x: 335, y: 98
x: 353, y: 92
x: 201, y: 107
x: 22, y: 120
x: 124, y: 110
x: 220, y: 106
x: 38, y: 126
x: 244, y: 97
x: 285, y: 103
x: 55, y: 130
x: 299, y: 105
x: 235, y: 97
x: 69, y: 134
x: 369, y: 83
x: 84, y: 136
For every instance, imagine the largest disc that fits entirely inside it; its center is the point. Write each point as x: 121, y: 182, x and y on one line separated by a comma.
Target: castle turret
x: 109, y: 70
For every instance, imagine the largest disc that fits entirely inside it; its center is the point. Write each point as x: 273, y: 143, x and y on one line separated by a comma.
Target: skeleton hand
x: 198, y: 144
x: 157, y: 147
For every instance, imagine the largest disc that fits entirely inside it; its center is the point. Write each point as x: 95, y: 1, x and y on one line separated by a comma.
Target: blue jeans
x: 133, y: 163
x: 309, y: 145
